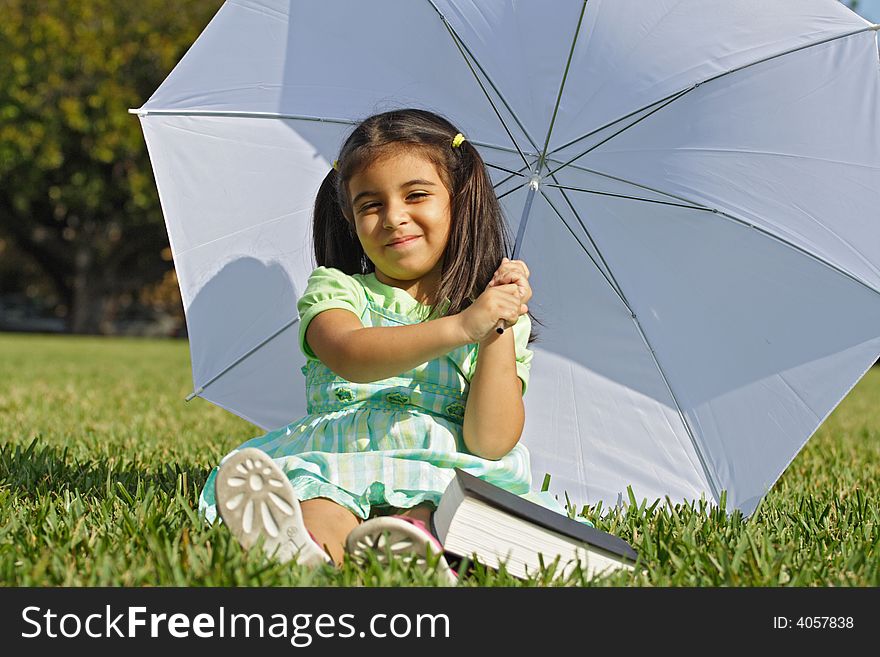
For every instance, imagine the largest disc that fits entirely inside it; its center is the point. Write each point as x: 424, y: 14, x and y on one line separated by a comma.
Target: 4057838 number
x: 822, y: 622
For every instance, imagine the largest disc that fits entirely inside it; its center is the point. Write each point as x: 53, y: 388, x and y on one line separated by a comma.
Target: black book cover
x: 539, y: 515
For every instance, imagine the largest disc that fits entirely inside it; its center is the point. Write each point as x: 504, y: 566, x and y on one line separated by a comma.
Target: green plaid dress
x: 390, y: 444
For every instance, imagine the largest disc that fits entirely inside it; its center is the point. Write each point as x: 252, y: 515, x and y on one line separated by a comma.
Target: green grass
x: 101, y: 464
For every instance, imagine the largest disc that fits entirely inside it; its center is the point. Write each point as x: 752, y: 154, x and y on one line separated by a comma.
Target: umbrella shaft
x: 530, y: 196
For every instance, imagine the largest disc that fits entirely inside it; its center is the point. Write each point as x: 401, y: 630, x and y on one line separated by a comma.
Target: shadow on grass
x: 37, y: 470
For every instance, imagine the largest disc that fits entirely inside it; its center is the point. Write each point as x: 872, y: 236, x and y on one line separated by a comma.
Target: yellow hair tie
x: 336, y: 165
x: 457, y: 140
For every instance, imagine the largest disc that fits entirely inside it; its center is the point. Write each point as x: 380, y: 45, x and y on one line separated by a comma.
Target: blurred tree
x: 77, y: 193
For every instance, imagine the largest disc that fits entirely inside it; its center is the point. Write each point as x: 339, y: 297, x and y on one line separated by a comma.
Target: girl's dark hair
x: 478, y: 235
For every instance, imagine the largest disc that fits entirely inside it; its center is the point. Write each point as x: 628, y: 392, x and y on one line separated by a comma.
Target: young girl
x: 407, y: 375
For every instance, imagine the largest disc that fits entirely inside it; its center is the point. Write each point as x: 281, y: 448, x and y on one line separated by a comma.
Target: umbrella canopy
x: 694, y: 186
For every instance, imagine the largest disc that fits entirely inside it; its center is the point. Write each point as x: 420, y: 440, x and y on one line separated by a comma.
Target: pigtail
x: 478, y: 241
x: 335, y: 240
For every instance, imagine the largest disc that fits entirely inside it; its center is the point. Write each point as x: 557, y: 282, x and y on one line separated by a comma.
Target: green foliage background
x: 78, y: 203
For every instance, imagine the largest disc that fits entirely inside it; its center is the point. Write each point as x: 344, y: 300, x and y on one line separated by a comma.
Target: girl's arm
x: 495, y: 416
x: 365, y: 354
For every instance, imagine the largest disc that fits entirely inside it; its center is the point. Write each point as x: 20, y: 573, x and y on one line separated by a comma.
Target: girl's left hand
x: 514, y: 271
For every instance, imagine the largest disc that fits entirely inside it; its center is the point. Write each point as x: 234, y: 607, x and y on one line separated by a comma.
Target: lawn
x: 101, y: 464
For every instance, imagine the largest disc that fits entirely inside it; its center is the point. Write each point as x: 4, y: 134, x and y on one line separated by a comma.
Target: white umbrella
x: 693, y: 184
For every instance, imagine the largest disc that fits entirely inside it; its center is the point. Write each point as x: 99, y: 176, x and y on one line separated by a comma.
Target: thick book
x: 477, y: 519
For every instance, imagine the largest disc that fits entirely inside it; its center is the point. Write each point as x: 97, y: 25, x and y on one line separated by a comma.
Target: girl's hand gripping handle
x: 517, y: 272
x: 497, y: 305
x: 500, y: 304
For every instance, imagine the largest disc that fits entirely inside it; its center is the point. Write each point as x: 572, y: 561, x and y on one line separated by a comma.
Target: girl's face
x: 401, y: 195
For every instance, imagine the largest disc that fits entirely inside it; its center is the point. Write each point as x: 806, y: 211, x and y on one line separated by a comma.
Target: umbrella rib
x: 238, y: 114
x: 549, y: 159
x: 574, y: 211
x: 201, y: 389
x: 691, y: 204
x: 489, y: 98
x: 623, y: 129
x: 612, y: 281
x: 510, y: 171
x: 577, y: 32
x: 595, y: 246
x: 462, y: 48
x: 511, y: 191
x: 632, y: 198
x: 543, y: 156
x: 293, y: 117
x: 611, y: 123
x: 511, y: 176
x: 503, y: 149
x: 676, y: 95
x: 552, y: 175
x: 520, y: 172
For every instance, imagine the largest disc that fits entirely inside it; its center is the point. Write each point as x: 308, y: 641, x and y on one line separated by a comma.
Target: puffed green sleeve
x: 327, y: 288
x: 521, y: 331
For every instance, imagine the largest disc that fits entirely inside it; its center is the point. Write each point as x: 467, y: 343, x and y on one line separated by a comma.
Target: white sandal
x: 255, y: 498
x: 397, y: 536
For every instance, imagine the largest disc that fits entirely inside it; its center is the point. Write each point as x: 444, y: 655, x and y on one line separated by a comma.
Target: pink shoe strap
x: 421, y: 525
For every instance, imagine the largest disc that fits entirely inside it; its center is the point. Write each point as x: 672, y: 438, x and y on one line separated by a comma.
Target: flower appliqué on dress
x: 344, y: 394
x: 455, y: 410
x: 396, y: 398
